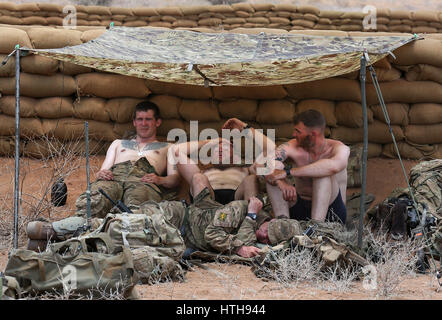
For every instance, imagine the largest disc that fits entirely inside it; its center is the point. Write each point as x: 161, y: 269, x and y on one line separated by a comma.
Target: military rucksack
x: 140, y: 230
x: 89, y: 265
x: 9, y: 288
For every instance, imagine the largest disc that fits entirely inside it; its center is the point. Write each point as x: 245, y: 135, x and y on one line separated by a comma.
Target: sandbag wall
x: 227, y: 17
x: 58, y: 97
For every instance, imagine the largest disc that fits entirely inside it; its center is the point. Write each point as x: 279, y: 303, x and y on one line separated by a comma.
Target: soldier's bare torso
x: 228, y: 178
x: 155, y: 152
x: 301, y: 157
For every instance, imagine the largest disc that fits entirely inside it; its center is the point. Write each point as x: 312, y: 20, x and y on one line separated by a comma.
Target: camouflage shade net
x: 224, y: 59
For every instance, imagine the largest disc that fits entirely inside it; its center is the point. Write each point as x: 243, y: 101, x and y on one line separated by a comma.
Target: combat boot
x: 39, y: 230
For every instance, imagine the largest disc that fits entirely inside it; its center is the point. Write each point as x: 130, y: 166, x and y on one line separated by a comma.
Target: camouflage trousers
x: 126, y: 186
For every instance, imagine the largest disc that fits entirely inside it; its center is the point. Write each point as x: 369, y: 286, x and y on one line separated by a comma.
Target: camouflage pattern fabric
x: 225, y: 59
x: 99, y: 266
x: 283, y: 229
x: 153, y: 266
x: 216, y: 228
x: 145, y: 230
x: 354, y: 167
x: 126, y: 187
x: 426, y: 184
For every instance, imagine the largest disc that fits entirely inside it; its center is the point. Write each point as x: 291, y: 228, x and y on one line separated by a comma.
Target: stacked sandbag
x: 57, y: 98
x: 281, y: 16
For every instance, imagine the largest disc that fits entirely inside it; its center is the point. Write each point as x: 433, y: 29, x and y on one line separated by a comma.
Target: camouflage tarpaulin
x: 227, y: 59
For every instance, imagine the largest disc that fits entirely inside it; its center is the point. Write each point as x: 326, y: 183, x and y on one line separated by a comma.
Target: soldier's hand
x: 151, y: 178
x: 288, y: 191
x: 105, y: 175
x: 275, y: 175
x: 234, y: 123
x: 248, y: 251
x: 255, y: 205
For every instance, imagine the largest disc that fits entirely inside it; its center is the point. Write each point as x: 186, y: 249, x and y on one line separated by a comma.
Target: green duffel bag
x: 89, y: 266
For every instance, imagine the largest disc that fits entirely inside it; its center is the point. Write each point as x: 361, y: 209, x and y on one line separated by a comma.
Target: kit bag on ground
x: 89, y: 265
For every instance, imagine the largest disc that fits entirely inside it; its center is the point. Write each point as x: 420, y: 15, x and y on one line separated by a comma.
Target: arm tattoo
x: 281, y: 153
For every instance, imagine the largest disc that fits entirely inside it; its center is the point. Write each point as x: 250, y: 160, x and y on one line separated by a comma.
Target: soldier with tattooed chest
x: 134, y: 170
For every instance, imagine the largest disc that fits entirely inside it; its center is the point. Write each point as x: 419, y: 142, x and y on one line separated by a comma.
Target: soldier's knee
x: 199, y: 179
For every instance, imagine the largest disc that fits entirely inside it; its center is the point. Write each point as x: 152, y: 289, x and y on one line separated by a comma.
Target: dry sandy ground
x: 228, y: 281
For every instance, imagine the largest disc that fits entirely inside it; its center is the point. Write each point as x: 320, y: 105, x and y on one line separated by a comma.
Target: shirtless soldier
x: 319, y: 172
x: 225, y: 180
x: 134, y: 170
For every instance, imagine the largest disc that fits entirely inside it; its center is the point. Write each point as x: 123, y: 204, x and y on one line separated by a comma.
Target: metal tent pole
x: 17, y: 144
x: 364, y: 59
x: 88, y: 190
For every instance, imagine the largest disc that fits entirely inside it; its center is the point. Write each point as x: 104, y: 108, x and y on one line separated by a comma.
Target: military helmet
x: 283, y: 229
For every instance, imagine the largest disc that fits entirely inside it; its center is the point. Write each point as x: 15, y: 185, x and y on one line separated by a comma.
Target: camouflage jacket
x: 211, y: 226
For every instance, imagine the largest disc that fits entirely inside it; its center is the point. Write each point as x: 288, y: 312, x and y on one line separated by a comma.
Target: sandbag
x: 124, y: 130
x: 179, y: 90
x: 374, y: 150
x: 326, y: 89
x: 121, y: 109
x: 217, y: 126
x: 101, y: 130
x: 426, y: 51
x: 7, y: 146
x: 378, y: 132
x: 327, y: 108
x: 349, y: 114
x: 200, y: 110
x: 41, y: 148
x: 29, y: 127
x: 106, y: 85
x: 254, y: 92
x: 384, y: 75
x: 405, y: 91
x: 243, y: 109
x: 91, y: 109
x: 91, y: 34
x: 425, y: 113
x: 38, y: 64
x: 49, y: 38
x: 71, y: 69
x: 54, y: 108
x: 64, y: 128
x: 424, y: 72
x: 38, y: 86
x: 168, y: 105
x: 10, y: 37
x: 170, y: 124
x: 284, y: 130
x: 7, y: 70
x: 275, y: 111
x: 424, y: 134
x: 8, y: 106
x: 409, y: 151
x: 397, y: 113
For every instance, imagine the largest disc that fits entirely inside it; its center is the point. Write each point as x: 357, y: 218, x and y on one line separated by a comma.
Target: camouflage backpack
x: 89, y: 265
x: 141, y: 230
x: 9, y: 288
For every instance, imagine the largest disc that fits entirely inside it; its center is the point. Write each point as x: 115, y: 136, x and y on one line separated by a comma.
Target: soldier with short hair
x: 319, y: 172
x: 134, y: 170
